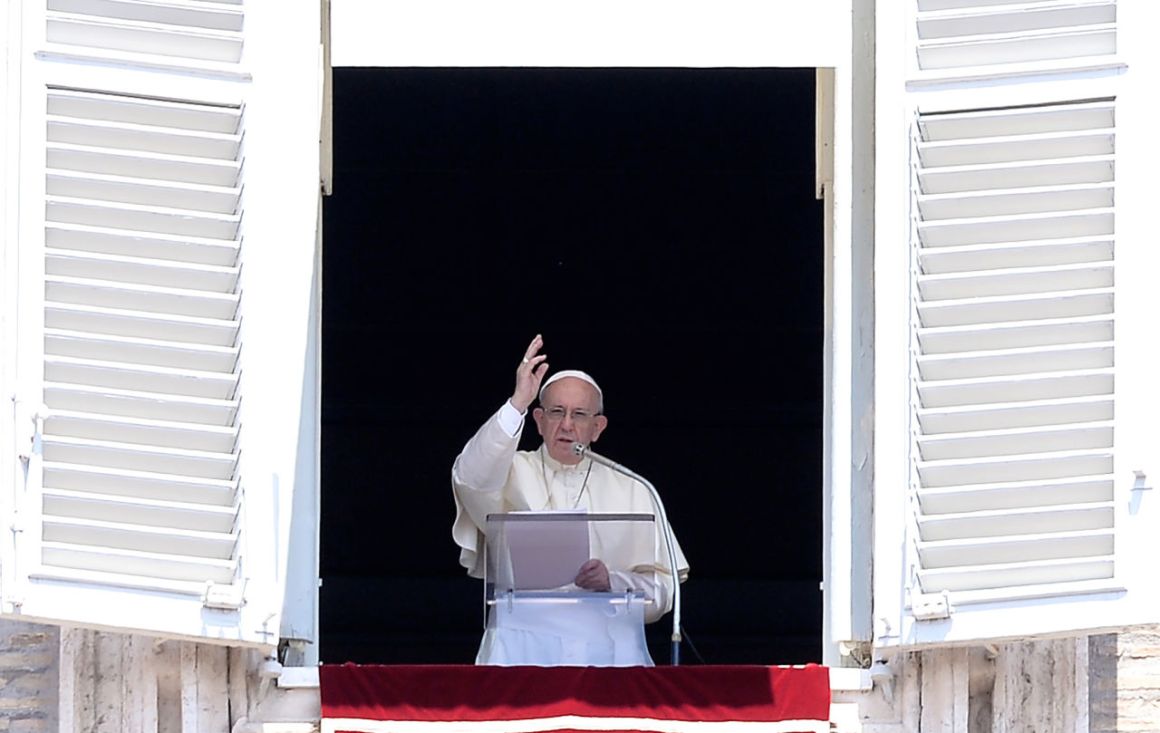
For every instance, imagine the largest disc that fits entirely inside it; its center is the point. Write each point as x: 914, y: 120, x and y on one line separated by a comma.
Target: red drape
x: 469, y: 699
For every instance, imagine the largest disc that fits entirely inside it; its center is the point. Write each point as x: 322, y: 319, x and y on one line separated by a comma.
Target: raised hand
x: 529, y: 375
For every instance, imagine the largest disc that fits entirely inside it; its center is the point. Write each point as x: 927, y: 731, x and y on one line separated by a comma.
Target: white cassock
x: 489, y: 477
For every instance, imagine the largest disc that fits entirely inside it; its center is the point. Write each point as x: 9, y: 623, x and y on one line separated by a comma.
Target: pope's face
x: 567, y: 415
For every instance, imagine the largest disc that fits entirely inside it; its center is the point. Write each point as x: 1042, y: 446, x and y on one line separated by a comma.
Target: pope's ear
x: 598, y: 428
x: 538, y: 416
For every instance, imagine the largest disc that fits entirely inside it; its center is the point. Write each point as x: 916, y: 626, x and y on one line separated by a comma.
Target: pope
x: 492, y: 476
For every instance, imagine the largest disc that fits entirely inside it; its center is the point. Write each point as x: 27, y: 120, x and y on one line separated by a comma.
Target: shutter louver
x: 205, y: 30
x: 1014, y: 347
x: 968, y: 33
x: 141, y: 338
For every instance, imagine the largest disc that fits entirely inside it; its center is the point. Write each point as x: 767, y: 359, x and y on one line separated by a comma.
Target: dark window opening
x: 659, y: 227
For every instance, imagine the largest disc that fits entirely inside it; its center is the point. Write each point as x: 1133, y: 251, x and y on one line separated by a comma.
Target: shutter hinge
x: 931, y: 606
x: 29, y: 427
x: 224, y: 597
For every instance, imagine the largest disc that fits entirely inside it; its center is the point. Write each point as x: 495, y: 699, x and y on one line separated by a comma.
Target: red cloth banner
x: 469, y: 699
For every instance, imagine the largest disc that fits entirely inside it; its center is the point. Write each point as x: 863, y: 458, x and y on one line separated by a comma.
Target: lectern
x: 535, y: 614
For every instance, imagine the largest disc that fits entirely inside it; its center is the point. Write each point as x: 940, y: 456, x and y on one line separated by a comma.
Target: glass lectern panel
x: 535, y: 556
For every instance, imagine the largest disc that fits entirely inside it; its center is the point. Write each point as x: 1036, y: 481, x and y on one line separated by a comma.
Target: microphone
x: 582, y: 450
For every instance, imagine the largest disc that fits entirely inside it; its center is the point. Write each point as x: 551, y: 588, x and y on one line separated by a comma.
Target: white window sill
x: 293, y: 678
x: 850, y: 679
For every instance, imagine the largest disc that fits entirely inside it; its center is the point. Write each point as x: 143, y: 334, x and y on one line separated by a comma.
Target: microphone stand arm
x: 666, y: 531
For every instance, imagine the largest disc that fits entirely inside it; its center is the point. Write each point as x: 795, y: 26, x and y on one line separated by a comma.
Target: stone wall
x: 118, y: 683
x: 1015, y: 687
x: 1124, y: 681
x: 29, y: 682
x: 1108, y: 683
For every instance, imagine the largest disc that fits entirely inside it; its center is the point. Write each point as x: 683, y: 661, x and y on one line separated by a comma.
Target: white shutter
x: 1014, y: 347
x: 192, y: 29
x: 141, y: 340
x: 1018, y: 520
x: 963, y: 33
x: 137, y: 509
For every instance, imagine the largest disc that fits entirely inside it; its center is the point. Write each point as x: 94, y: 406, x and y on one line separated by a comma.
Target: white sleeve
x: 656, y: 587
x: 656, y: 581
x: 510, y: 419
x: 484, y: 462
x: 478, y: 478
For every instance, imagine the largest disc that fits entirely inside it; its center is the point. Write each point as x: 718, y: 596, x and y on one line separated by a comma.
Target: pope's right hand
x: 529, y: 375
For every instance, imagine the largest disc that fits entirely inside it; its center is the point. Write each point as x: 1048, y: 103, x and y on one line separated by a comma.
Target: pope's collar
x: 554, y: 465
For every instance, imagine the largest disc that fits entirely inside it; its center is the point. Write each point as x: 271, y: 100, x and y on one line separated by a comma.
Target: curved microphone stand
x: 582, y: 450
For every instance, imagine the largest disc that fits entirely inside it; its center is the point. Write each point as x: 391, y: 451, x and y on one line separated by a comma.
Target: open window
x: 660, y: 227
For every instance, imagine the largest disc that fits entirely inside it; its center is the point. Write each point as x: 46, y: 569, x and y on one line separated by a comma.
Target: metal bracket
x: 29, y: 426
x: 882, y: 677
x: 224, y: 597
x: 931, y: 607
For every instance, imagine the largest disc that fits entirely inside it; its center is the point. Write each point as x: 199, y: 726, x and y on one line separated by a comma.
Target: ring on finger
x: 525, y: 360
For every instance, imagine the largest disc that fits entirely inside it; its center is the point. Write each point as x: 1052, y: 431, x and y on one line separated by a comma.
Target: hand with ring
x: 529, y: 375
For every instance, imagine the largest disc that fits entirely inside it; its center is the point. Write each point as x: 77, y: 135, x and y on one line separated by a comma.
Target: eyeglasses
x: 580, y: 417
